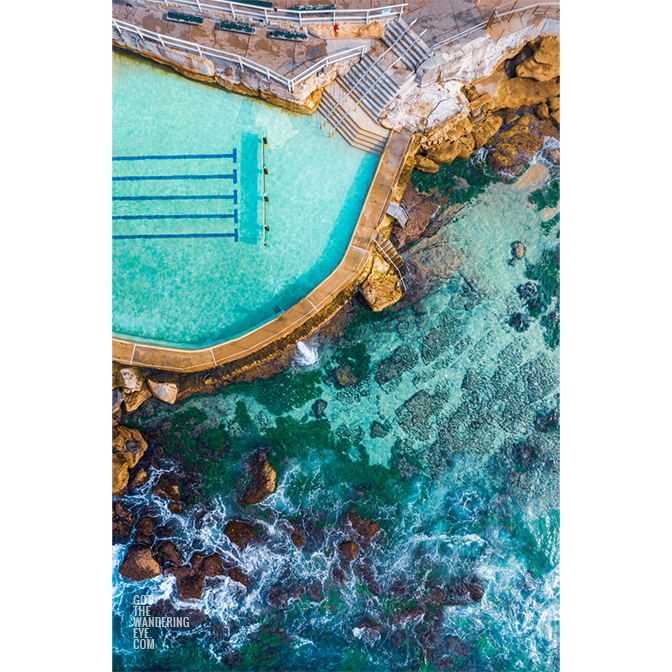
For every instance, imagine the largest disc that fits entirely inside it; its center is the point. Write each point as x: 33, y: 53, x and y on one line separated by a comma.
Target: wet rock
x: 485, y: 129
x: 190, y: 582
x: 176, y: 507
x: 277, y: 596
x: 454, y: 646
x: 518, y: 250
x: 519, y: 321
x: 130, y: 378
x: 338, y: 574
x: 168, y: 487
x: 297, y: 539
x: 345, y: 376
x: 120, y: 528
x: 369, y: 624
x: 366, y: 529
x: 466, y: 592
x: 163, y: 391
x: 378, y: 430
x: 542, y: 111
x: 139, y: 564
x: 318, y: 408
x: 118, y: 397
x: 239, y: 576
x: 168, y: 555
x: 366, y: 574
x: 416, y: 414
x: 239, y: 533
x: 398, y: 588
x: 196, y: 560
x: 122, y: 512
x: 138, y: 480
x: 403, y: 615
x: 314, y: 591
x: 128, y: 446
x: 263, y: 481
x: 347, y: 550
x: 144, y: 531
x: 212, y: 565
x: 547, y: 422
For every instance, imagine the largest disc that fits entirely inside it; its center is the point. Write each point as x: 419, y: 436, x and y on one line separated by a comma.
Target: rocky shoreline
x: 512, y: 115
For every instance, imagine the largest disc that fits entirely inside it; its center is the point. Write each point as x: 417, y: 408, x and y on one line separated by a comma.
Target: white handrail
x: 290, y: 84
x: 522, y: 11
x: 278, y: 14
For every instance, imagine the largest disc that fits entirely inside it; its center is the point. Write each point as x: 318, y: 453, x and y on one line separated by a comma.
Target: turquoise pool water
x: 189, y: 265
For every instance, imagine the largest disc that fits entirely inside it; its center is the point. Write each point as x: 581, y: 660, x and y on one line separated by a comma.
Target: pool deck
x: 343, y: 278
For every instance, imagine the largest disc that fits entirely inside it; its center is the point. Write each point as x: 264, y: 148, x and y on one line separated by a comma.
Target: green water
x: 440, y: 441
x: 196, y: 291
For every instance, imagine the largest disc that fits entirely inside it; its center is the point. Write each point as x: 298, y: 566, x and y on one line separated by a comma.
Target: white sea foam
x: 307, y: 355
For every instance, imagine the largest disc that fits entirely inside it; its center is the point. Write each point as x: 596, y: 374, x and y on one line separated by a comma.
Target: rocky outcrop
x: 263, y: 481
x: 163, y: 391
x: 485, y: 129
x: 347, y: 550
x: 425, y: 164
x: 520, y: 91
x: 141, y: 477
x: 144, y: 531
x: 467, y: 592
x: 133, y: 401
x: 345, y: 376
x: 139, y: 564
x: 167, y: 554
x: 545, y: 63
x: 382, y: 287
x: 236, y: 574
x: 128, y: 446
x: 363, y: 528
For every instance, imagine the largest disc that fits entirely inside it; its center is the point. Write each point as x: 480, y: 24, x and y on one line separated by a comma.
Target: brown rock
x: 196, y: 560
x: 145, y: 525
x: 554, y: 104
x: 176, y: 507
x: 545, y: 63
x: 521, y: 91
x: 541, y: 111
x: 518, y: 250
x: 297, y: 539
x: 425, y: 164
x: 556, y: 116
x: 167, y: 487
x: 382, y: 287
x: 238, y: 575
x: 212, y: 565
x: 264, y: 479
x: 484, y: 130
x: 239, y: 533
x: 466, y: 592
x: 167, y: 554
x: 348, y: 550
x: 138, y: 480
x: 277, y: 596
x: 139, y: 564
x: 128, y: 447
x: 447, y: 152
x: 122, y: 512
x: 163, y: 391
x: 190, y: 582
x: 367, y: 529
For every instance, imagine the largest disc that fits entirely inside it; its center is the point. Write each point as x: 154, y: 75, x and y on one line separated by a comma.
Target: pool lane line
x: 233, y: 176
x: 233, y: 216
x: 168, y: 157
x: 233, y: 235
x: 233, y: 196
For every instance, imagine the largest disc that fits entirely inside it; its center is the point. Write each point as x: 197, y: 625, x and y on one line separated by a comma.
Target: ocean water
x: 190, y: 267
x: 448, y: 440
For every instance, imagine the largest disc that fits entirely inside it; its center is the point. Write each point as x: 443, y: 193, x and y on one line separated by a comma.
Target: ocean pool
x: 190, y: 268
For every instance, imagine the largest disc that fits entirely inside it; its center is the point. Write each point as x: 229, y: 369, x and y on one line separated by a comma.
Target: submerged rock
x: 277, y: 596
x: 467, y: 592
x: 264, y: 479
x: 345, y: 376
x: 547, y: 422
x: 378, y: 430
x: 239, y: 533
x: 139, y: 564
x: 519, y: 321
x: 141, y: 477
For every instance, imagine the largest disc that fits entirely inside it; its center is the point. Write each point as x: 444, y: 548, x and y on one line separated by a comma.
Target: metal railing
x: 289, y: 84
x: 539, y: 10
x: 280, y: 15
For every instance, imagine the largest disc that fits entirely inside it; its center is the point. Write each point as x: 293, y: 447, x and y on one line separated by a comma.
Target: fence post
x: 233, y: 11
x: 266, y: 15
x: 200, y: 9
x: 511, y: 10
x: 200, y: 53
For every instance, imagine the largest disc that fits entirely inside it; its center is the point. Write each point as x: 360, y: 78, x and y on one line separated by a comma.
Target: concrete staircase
x: 358, y: 127
x: 354, y: 102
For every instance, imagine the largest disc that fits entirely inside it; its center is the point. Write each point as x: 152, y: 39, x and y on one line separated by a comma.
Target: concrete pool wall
x: 309, y: 313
